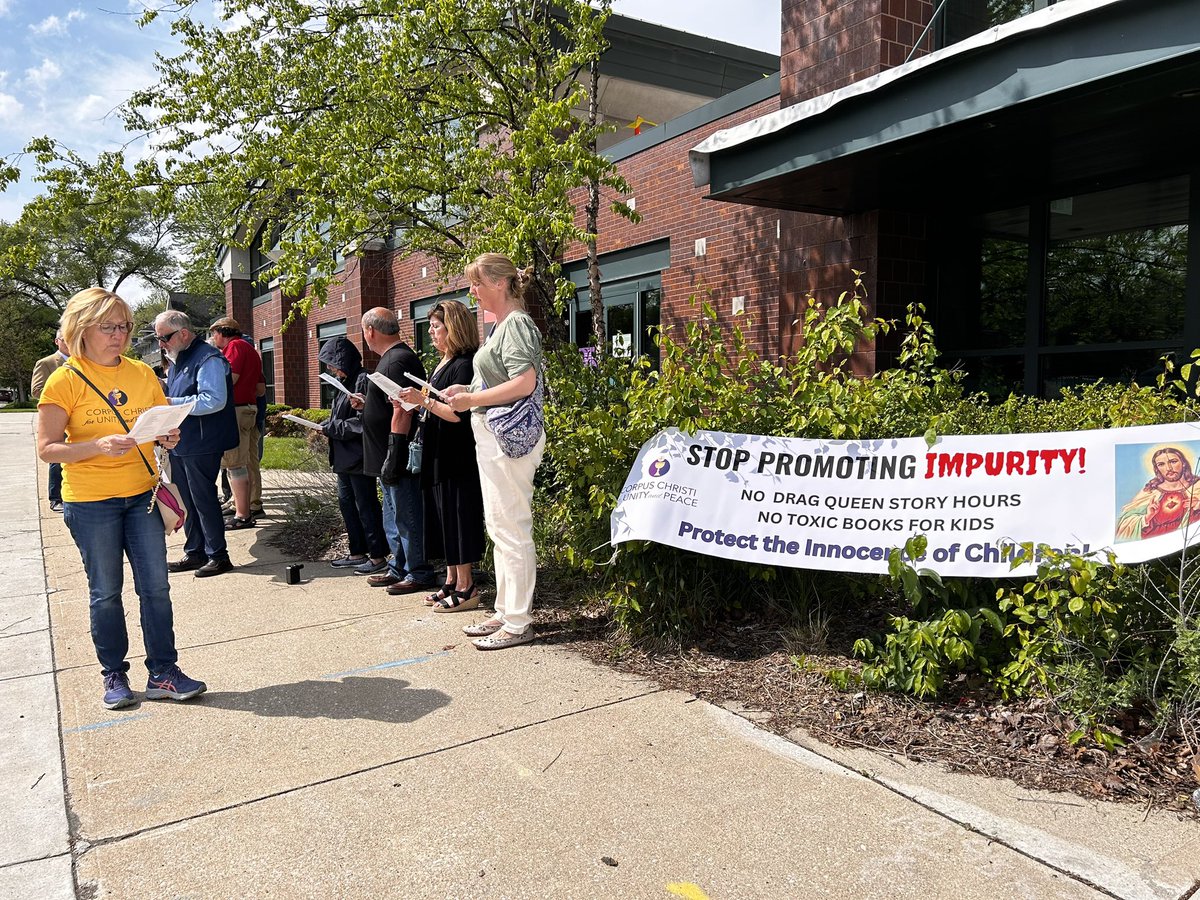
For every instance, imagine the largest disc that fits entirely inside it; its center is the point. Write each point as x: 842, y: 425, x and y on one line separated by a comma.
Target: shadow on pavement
x: 378, y: 699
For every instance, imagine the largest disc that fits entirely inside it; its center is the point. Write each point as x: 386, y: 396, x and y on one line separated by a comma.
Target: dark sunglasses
x: 165, y: 338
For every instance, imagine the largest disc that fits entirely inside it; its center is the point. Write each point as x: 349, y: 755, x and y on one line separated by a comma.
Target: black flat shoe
x: 187, y: 564
x: 214, y: 567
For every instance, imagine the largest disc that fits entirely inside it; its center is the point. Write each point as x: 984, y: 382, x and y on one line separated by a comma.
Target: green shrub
x: 278, y: 426
x: 1099, y: 637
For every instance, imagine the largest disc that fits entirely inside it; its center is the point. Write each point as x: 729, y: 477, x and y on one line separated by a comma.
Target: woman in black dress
x: 449, y: 470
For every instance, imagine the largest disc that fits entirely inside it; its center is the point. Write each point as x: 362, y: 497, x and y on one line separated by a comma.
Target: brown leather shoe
x: 386, y: 579
x: 407, y: 586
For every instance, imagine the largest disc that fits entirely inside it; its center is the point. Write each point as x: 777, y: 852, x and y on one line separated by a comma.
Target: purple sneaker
x: 173, y: 685
x: 117, y: 694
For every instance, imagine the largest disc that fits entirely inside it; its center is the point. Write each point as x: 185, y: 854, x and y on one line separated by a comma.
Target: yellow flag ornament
x: 637, y: 124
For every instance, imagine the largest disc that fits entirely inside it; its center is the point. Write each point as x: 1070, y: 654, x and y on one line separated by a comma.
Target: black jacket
x: 344, y: 426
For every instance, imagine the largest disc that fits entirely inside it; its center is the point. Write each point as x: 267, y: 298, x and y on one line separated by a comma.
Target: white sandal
x: 483, y: 629
x: 502, y: 639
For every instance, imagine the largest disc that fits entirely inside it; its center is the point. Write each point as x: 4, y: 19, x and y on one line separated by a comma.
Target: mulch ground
x: 751, y: 667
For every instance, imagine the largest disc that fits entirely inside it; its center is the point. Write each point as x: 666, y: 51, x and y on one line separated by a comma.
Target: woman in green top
x: 506, y: 369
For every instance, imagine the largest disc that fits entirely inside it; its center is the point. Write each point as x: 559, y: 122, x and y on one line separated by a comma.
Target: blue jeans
x: 358, y: 499
x: 54, y: 488
x: 105, y: 531
x: 404, y: 525
x: 204, y: 527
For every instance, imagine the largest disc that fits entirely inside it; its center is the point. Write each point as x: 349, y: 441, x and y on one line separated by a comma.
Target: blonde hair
x: 498, y: 267
x: 89, y: 307
x: 462, y: 328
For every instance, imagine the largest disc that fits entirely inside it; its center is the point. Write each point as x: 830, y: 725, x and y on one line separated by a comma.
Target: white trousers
x: 507, y: 497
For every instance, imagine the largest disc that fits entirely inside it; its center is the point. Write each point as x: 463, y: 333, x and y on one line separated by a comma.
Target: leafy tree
x: 446, y: 128
x: 29, y: 335
x: 92, y: 227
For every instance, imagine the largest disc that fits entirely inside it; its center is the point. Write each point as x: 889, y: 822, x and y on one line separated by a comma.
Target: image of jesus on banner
x: 1169, y: 501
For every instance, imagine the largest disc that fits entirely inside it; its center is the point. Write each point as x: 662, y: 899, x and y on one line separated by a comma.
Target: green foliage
x: 1099, y: 637
x: 1019, y: 638
x: 92, y: 227
x: 712, y: 378
x: 447, y: 128
x: 278, y: 426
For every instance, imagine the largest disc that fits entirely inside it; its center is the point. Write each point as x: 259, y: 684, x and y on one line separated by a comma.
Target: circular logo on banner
x: 658, y: 468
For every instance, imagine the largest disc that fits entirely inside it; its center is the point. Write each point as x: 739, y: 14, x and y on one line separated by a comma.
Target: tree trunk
x: 599, y: 338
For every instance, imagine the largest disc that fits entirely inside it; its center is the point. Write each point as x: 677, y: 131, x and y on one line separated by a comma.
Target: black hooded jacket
x: 344, y: 426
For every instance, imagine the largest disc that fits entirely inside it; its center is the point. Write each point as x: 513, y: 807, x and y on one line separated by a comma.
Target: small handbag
x: 414, y: 455
x: 165, y: 495
x: 518, y: 427
x: 169, y: 501
x: 397, y: 460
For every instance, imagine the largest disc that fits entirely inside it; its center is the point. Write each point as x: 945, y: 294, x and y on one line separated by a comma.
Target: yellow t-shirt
x: 133, y: 388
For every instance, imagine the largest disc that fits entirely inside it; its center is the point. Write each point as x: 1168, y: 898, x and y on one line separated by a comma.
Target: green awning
x: 1048, y: 105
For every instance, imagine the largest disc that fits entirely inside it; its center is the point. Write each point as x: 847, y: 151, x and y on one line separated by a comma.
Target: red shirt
x: 247, y: 365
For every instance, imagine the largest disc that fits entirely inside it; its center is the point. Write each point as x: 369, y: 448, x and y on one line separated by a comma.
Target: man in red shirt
x: 242, y: 462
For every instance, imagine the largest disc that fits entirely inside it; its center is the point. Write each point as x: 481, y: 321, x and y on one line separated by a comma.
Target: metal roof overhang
x: 1051, y: 105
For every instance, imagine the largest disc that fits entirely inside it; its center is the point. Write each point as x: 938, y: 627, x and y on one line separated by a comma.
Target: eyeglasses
x: 114, y: 327
x: 166, y: 338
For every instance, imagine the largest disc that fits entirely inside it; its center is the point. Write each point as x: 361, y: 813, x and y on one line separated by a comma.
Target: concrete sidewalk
x: 353, y: 744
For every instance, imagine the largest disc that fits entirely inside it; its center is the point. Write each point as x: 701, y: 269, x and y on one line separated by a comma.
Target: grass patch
x: 289, y: 453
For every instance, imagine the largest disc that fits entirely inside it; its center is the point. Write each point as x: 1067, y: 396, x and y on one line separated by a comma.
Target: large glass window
x: 327, y: 332
x: 959, y: 19
x: 1096, y: 291
x: 266, y: 349
x: 261, y: 263
x: 631, y: 318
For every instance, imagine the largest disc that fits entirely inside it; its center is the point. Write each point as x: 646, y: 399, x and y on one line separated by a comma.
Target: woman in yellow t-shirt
x: 107, y: 485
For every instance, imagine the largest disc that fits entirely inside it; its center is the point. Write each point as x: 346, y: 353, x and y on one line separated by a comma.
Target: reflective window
x: 266, y: 349
x: 631, y: 318
x: 327, y: 332
x: 1110, y: 305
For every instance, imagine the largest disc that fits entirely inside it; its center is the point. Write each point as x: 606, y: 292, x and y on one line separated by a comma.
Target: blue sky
x: 64, y: 67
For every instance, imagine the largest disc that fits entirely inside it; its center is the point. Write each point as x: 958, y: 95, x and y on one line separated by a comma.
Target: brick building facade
x: 846, y: 159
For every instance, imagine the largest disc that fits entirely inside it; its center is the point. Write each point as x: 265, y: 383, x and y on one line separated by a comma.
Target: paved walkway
x: 355, y: 745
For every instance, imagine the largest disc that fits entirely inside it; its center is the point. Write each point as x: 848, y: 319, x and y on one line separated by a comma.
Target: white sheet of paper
x: 425, y: 384
x: 326, y: 377
x: 159, y: 420
x: 315, y: 426
x: 389, y: 387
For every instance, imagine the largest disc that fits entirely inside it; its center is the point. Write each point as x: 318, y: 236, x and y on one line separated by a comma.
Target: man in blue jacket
x: 199, y: 372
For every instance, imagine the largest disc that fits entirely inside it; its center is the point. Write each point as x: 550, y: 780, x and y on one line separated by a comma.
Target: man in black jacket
x: 403, y: 511
x: 358, y: 494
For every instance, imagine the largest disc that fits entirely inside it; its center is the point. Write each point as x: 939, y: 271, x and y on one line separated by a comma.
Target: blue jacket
x: 212, y: 433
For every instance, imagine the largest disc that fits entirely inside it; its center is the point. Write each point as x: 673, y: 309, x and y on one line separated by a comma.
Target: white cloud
x: 41, y: 77
x: 5, y: 6
x: 93, y: 108
x: 53, y: 25
x: 10, y: 107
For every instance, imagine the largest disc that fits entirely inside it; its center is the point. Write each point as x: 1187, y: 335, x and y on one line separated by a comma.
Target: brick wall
x: 826, y: 46
x: 238, y: 303
x: 742, y: 241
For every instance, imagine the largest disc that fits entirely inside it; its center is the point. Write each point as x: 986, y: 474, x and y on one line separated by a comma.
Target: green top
x: 513, y: 346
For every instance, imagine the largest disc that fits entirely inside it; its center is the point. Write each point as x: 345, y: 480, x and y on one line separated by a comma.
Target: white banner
x: 844, y: 505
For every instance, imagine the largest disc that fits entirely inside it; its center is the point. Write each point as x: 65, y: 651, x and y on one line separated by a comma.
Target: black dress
x: 450, y: 477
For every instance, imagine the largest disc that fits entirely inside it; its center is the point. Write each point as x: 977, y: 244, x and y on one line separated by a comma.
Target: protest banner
x: 844, y: 505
